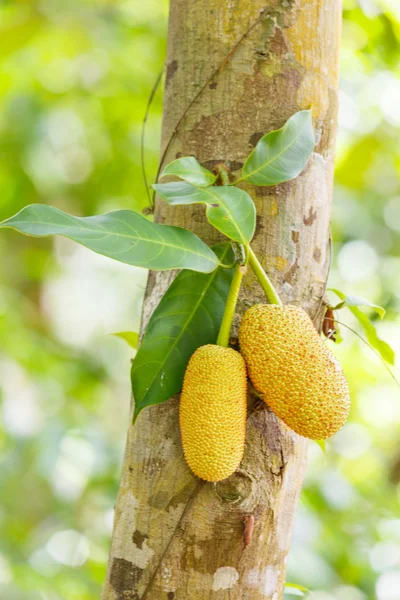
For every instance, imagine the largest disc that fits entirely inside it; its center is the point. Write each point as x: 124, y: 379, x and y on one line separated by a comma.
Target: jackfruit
x: 294, y: 371
x: 212, y: 412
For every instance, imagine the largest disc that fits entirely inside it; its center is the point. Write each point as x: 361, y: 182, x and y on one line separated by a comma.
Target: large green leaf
x: 188, y: 316
x: 123, y: 235
x: 385, y: 351
x: 189, y: 169
x: 282, y: 154
x: 229, y: 209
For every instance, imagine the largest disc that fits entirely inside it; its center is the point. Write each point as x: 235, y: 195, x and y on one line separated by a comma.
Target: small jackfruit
x: 212, y: 412
x: 294, y: 371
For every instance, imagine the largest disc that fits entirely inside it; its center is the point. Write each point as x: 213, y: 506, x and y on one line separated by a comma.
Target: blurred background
x: 75, y: 78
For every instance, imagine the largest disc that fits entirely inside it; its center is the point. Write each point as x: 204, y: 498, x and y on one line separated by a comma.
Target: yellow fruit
x: 212, y: 412
x: 296, y: 373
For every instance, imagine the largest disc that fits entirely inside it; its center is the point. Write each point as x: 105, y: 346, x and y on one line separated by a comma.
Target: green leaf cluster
x: 128, y: 237
x: 190, y: 313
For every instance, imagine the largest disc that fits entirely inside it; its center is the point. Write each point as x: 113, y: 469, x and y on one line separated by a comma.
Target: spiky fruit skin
x: 212, y: 412
x: 294, y: 371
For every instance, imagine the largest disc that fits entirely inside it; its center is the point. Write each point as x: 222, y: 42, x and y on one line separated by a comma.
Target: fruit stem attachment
x: 263, y: 278
x: 224, y: 334
x: 230, y: 306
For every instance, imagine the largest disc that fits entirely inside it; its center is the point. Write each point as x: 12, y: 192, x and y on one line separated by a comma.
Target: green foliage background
x: 74, y: 82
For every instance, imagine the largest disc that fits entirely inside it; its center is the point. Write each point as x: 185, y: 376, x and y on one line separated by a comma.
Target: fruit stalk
x: 263, y: 278
x: 226, y: 325
x: 269, y: 290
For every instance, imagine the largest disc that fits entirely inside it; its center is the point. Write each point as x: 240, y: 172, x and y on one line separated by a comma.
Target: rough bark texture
x: 176, y: 538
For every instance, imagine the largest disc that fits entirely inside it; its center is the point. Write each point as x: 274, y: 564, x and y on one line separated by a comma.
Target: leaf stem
x: 223, y: 173
x: 226, y: 325
x: 263, y: 278
x: 240, y: 269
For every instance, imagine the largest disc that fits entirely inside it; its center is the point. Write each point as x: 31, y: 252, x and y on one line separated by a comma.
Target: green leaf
x: 281, y: 155
x: 229, y: 209
x: 123, y: 235
x: 385, y: 351
x: 295, y: 589
x: 189, y: 169
x: 322, y: 445
x: 188, y: 316
x: 348, y: 301
x: 130, y: 337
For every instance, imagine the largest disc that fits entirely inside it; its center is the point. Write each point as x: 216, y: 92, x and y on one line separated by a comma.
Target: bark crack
x: 189, y: 503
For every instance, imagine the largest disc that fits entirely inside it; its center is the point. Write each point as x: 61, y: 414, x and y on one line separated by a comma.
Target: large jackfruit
x: 294, y: 371
x: 212, y: 412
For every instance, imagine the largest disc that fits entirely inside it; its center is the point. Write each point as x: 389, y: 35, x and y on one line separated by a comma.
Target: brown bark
x: 175, y: 537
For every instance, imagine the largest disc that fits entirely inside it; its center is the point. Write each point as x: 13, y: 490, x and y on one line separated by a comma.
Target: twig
x: 199, y: 93
x: 326, y: 279
x: 143, y: 134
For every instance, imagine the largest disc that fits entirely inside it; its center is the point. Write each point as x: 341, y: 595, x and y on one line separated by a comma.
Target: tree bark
x: 236, y: 70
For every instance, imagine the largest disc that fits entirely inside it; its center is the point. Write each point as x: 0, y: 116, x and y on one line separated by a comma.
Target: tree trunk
x: 236, y: 70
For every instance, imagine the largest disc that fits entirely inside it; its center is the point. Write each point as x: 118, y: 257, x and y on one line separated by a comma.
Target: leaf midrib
x: 243, y: 237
